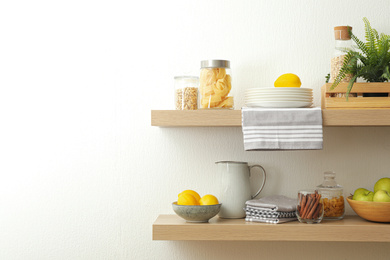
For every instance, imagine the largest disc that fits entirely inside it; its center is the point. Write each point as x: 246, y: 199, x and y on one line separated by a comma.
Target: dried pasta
x: 215, y: 86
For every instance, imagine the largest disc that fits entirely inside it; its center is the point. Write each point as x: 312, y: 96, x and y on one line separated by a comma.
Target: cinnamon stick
x: 303, y: 204
x: 317, y: 212
x: 307, y: 206
x: 314, y: 207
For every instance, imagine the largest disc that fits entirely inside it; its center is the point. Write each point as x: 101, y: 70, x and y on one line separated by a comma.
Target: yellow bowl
x: 369, y: 210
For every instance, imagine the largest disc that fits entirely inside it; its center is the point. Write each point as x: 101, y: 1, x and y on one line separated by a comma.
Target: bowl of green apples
x: 372, y: 205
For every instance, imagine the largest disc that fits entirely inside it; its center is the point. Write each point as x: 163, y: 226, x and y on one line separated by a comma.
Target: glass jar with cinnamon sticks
x: 310, y: 208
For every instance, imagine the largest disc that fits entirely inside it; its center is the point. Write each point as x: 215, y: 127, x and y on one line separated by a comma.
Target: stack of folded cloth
x: 272, y: 209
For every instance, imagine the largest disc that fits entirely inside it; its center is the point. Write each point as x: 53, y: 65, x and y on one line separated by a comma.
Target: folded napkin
x: 282, y: 128
x: 270, y: 220
x: 272, y: 209
x: 274, y: 203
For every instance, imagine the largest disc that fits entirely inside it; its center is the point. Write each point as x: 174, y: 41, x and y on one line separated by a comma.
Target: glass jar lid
x: 329, y: 181
x: 215, y: 64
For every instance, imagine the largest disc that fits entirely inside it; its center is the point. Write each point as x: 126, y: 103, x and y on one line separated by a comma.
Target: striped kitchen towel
x: 282, y: 128
x: 257, y: 212
x: 270, y: 220
x: 273, y: 209
x: 274, y: 203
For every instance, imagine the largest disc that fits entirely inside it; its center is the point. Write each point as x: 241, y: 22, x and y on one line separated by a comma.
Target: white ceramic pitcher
x: 234, y: 189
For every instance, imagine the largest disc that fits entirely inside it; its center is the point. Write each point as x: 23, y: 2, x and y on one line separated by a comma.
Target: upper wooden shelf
x: 331, y: 117
x: 217, y: 117
x: 350, y: 229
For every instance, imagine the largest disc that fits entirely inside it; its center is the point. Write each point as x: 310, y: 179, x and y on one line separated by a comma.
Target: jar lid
x: 215, y: 64
x: 342, y: 32
x: 329, y: 181
x: 186, y: 77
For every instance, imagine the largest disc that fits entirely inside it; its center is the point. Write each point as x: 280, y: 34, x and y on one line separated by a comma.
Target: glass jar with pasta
x: 215, y: 83
x: 332, y: 197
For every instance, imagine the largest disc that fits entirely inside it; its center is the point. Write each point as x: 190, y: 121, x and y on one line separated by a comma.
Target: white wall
x: 83, y: 173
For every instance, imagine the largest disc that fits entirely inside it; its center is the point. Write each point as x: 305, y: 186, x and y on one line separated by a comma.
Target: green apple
x: 357, y: 192
x: 381, y: 196
x: 364, y: 196
x: 382, y: 184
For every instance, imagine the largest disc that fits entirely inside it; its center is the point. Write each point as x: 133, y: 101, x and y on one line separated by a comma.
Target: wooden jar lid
x: 341, y: 32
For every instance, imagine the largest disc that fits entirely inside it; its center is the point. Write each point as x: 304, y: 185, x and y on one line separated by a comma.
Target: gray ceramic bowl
x: 196, y: 213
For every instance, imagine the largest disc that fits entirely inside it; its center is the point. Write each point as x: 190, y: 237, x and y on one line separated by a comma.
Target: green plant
x: 327, y: 77
x: 370, y: 61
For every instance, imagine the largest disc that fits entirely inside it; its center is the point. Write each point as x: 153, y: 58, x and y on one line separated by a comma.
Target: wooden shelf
x: 331, y: 117
x: 217, y: 117
x: 350, y: 229
x: 356, y: 117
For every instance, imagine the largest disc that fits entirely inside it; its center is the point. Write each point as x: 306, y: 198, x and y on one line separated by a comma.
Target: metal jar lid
x: 215, y: 64
x: 186, y: 77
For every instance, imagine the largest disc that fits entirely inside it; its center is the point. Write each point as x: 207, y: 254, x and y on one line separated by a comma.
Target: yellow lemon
x: 208, y: 200
x: 192, y: 192
x: 187, y: 199
x: 288, y: 80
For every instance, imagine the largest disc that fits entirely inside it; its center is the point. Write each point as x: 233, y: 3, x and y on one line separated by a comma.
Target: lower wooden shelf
x: 350, y: 229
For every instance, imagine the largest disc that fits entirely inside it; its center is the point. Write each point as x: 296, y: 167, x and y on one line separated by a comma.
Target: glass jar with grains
x: 343, y: 44
x: 332, y: 197
x: 186, y: 92
x: 215, y: 83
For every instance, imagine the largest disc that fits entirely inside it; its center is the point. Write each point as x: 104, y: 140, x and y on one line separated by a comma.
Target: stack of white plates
x: 279, y: 97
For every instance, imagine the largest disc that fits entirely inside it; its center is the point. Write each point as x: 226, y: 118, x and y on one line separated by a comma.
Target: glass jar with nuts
x: 186, y: 92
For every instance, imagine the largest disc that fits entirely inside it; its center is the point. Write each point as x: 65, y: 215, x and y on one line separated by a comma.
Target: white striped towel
x: 282, y: 128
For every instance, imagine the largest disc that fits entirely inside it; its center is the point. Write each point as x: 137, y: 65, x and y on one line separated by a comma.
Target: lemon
x: 192, y: 192
x: 187, y: 199
x: 288, y: 80
x: 208, y: 200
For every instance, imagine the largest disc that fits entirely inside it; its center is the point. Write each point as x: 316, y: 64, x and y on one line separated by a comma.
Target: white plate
x: 283, y: 92
x: 309, y: 99
x: 279, y: 95
x: 280, y: 90
x: 280, y: 104
x: 287, y: 92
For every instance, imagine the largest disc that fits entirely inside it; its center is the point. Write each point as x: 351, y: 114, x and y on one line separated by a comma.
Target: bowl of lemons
x: 193, y: 208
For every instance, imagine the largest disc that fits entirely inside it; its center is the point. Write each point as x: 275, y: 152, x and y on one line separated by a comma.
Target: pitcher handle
x: 264, y: 178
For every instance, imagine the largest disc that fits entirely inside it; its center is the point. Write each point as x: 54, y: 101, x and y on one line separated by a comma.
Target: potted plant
x: 369, y: 60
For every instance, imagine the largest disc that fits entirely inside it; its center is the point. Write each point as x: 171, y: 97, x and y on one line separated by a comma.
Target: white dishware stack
x: 279, y: 97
